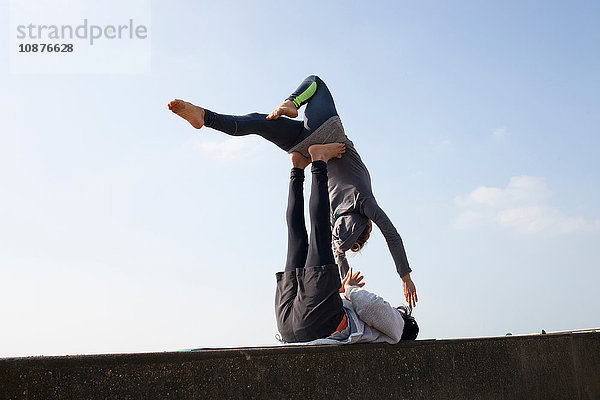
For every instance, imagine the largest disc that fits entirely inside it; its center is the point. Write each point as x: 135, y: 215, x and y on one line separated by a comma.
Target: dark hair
x: 411, y: 328
x: 362, y: 238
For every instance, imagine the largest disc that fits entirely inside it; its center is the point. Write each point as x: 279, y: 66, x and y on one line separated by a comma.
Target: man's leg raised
x: 319, y: 250
x: 297, y: 236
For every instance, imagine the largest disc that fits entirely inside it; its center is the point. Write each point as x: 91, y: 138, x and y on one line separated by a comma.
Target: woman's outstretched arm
x: 371, y: 210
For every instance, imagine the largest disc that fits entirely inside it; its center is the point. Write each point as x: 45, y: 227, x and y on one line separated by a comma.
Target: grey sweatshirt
x: 353, y: 204
x: 371, y: 319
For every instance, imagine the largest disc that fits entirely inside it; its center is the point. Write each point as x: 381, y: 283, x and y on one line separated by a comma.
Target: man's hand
x: 410, y: 291
x: 286, y: 108
x: 352, y: 279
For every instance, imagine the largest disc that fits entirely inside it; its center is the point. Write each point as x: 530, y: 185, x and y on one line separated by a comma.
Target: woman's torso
x: 349, y: 180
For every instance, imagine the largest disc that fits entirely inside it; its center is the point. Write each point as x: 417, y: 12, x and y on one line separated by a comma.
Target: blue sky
x: 122, y: 229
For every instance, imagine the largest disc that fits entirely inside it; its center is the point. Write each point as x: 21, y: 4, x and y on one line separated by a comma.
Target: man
x: 308, y: 305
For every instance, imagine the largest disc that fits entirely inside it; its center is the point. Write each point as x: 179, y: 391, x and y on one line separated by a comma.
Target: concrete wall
x: 532, y: 367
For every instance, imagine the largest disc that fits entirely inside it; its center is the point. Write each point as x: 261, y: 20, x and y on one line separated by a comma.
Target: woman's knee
x: 314, y: 78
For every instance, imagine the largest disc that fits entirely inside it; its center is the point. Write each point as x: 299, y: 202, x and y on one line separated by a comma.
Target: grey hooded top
x: 352, y: 205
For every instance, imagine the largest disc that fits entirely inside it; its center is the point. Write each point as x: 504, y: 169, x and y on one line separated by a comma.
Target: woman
x: 353, y: 205
x: 308, y: 305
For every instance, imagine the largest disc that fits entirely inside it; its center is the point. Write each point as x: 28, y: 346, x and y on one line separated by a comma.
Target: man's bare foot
x: 326, y: 152
x: 299, y: 161
x: 191, y: 113
x: 286, y: 108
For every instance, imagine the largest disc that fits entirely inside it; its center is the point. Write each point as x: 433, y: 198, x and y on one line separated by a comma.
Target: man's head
x: 411, y: 328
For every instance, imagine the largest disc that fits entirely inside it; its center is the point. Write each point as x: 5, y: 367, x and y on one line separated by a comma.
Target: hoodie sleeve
x: 371, y: 210
x: 341, y: 261
x: 376, y: 312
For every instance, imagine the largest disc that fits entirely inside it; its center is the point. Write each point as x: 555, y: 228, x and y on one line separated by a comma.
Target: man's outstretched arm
x: 371, y: 308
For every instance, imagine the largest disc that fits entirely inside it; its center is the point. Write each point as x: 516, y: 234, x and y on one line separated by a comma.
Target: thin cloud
x: 500, y: 133
x: 523, y: 205
x: 444, y: 145
x: 230, y: 149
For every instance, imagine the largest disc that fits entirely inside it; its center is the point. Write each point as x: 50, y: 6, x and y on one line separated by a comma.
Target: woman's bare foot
x: 326, y: 152
x: 191, y: 113
x: 286, y: 108
x: 299, y: 161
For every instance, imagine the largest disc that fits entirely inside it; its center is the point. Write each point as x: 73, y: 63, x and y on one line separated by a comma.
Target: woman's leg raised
x: 319, y: 103
x: 321, y: 121
x: 283, y: 132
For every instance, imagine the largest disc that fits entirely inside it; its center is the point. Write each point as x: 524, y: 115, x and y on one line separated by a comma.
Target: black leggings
x: 303, y: 252
x: 307, y: 301
x: 283, y: 132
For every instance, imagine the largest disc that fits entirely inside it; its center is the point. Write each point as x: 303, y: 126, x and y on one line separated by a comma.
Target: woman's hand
x: 352, y: 279
x: 410, y: 291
